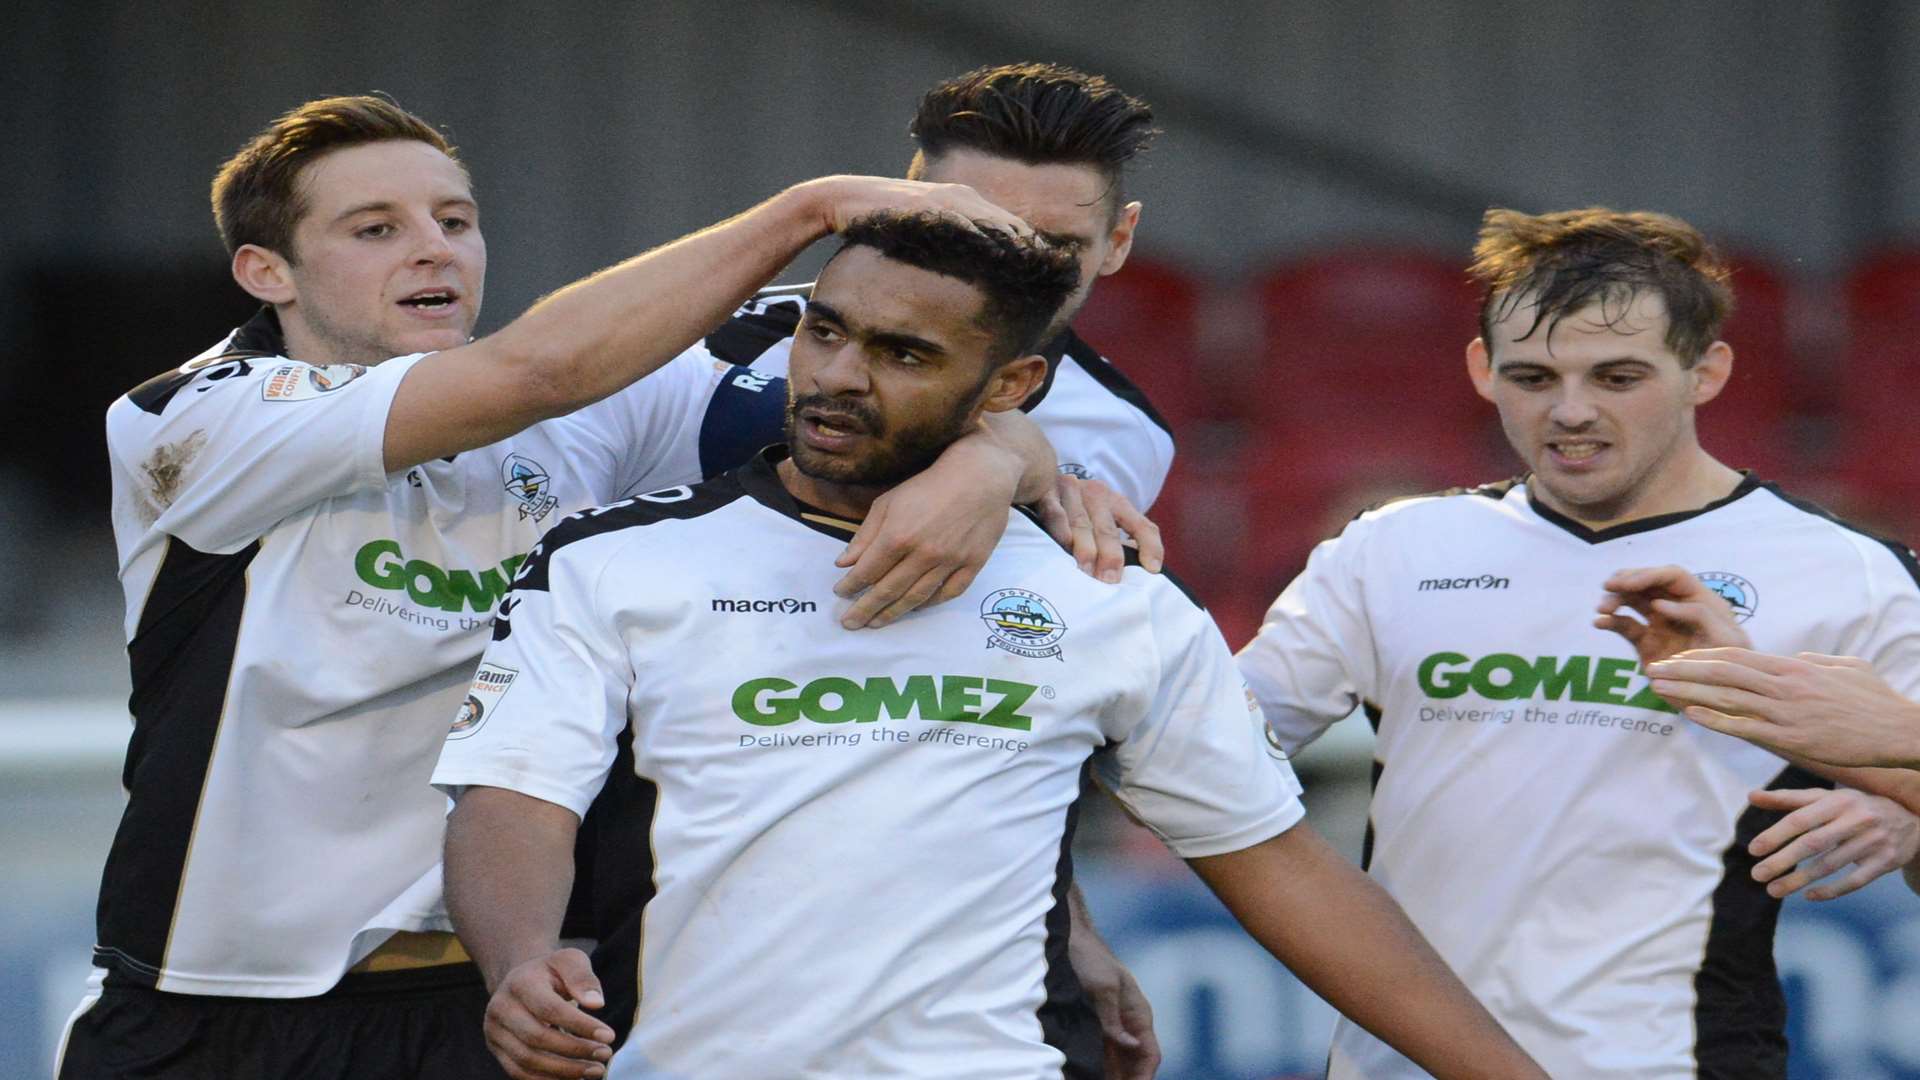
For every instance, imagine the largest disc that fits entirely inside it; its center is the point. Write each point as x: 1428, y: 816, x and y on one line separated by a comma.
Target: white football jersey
x: 1572, y: 847
x: 300, y: 623
x: 1100, y: 424
x: 856, y: 840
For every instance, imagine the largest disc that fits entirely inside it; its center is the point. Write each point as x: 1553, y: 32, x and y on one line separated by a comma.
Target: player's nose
x: 1573, y: 410
x: 844, y: 372
x: 433, y: 245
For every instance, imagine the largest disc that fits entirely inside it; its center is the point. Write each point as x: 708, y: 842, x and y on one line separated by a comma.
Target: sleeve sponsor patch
x: 490, y: 684
x: 301, y: 382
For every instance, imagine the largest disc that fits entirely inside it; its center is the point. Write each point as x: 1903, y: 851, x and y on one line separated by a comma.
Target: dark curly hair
x: 1566, y: 261
x: 1040, y: 114
x: 1023, y: 281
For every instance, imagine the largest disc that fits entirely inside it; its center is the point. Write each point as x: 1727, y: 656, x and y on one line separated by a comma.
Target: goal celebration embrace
x: 973, y: 613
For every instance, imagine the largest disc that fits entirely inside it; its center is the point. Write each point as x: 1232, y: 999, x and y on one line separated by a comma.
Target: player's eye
x: 375, y: 231
x: 455, y: 223
x: 823, y: 333
x: 1527, y: 380
x: 1620, y: 380
x: 904, y: 357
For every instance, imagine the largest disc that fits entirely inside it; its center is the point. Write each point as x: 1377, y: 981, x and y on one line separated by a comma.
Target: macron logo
x: 787, y: 606
x: 1483, y: 581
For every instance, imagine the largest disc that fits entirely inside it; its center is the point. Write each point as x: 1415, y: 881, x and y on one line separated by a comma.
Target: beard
x: 890, y: 459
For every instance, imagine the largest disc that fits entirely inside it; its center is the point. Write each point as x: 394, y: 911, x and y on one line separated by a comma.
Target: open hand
x: 1829, y: 709
x: 1826, y: 832
x: 1096, y: 523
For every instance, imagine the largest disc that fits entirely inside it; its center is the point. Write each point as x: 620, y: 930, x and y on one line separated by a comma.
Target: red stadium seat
x: 1754, y: 422
x: 1878, y: 384
x: 1304, y: 481
x: 1881, y: 371
x: 1145, y: 319
x: 1366, y: 334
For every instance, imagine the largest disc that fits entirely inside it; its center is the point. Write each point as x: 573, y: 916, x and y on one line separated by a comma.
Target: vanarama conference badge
x: 1023, y: 623
x: 490, y: 684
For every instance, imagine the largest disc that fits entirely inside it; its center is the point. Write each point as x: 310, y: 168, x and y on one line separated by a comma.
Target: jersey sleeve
x: 1196, y: 767
x: 222, y: 449
x: 543, y: 712
x: 1134, y: 463
x: 1313, y: 659
x: 646, y: 436
x: 1891, y: 640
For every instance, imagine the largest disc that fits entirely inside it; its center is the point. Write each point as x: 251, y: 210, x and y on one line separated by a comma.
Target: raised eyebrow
x: 363, y: 208
x: 1509, y: 367
x: 908, y: 342
x: 823, y: 310
x: 383, y: 206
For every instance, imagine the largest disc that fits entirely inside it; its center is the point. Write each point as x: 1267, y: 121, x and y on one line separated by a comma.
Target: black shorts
x: 421, y: 1024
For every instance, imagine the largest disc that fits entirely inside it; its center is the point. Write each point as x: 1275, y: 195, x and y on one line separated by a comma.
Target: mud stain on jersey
x: 163, y: 470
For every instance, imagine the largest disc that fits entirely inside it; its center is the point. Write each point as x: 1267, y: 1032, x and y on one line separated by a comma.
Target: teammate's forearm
x: 509, y: 870
x: 1900, y: 785
x: 1039, y: 463
x: 597, y: 335
x: 1344, y: 937
x: 1082, y: 938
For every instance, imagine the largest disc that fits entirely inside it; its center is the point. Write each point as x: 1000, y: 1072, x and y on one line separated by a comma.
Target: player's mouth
x: 1577, y: 454
x: 433, y: 303
x: 833, y: 432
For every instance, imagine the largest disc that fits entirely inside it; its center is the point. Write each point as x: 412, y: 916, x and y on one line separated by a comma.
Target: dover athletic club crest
x: 1737, y: 591
x: 1023, y: 623
x: 529, y: 485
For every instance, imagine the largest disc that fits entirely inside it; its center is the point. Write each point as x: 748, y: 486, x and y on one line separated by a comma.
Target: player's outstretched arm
x: 595, y: 336
x: 1132, y: 1051
x: 509, y: 868
x: 1828, y: 709
x: 1827, y: 831
x: 1344, y: 937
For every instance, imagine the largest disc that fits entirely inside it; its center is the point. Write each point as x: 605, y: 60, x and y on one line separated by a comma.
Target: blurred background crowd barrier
x: 1296, y: 308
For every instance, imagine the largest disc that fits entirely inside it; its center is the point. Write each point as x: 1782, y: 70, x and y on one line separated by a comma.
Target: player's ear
x: 264, y: 274
x: 1120, y: 238
x: 1711, y: 372
x: 1013, y: 382
x: 1480, y: 368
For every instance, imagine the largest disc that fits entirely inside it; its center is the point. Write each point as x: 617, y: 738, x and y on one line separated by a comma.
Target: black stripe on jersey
x: 1373, y: 785
x: 1747, y: 486
x: 611, y: 898
x: 1067, y: 1020
x: 181, y: 657
x: 1100, y: 370
x: 1740, y: 1013
x: 1496, y: 491
x: 757, y: 327
x: 1901, y: 552
x: 747, y: 414
x: 671, y: 504
x: 258, y: 338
